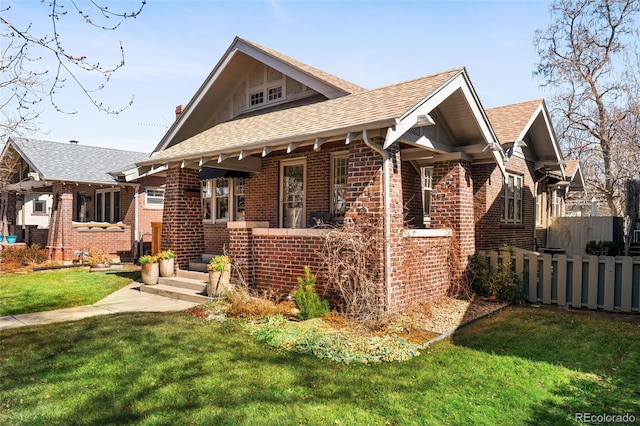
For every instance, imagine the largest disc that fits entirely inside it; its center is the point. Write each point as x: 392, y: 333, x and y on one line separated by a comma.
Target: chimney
x: 73, y: 142
x: 179, y: 110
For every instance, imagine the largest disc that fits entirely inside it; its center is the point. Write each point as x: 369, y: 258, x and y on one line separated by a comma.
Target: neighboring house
x: 268, y: 146
x: 69, y: 197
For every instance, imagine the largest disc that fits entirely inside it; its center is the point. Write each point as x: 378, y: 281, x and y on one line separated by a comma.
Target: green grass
x: 22, y: 293
x: 522, y: 366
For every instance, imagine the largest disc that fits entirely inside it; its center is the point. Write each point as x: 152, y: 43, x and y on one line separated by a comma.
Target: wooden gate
x: 156, y: 237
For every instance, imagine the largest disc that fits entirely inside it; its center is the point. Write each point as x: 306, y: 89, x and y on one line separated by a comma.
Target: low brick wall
x: 426, y: 267
x: 280, y: 255
x: 109, y: 240
x: 216, y: 238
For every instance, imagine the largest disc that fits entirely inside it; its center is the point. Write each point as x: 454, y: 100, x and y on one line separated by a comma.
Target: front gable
x: 252, y: 79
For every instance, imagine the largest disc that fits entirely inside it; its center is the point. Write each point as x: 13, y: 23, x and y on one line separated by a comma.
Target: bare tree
x: 585, y: 56
x: 25, y: 81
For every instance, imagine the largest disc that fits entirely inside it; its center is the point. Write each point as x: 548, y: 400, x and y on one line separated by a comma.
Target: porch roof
x: 373, y: 109
x: 70, y: 162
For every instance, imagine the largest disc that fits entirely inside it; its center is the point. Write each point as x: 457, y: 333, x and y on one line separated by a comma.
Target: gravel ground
x: 443, y: 315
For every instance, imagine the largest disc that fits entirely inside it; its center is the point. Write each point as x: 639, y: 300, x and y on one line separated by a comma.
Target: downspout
x: 385, y: 214
x: 136, y: 231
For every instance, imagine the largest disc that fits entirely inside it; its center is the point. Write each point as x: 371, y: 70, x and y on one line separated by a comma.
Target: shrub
x: 307, y: 300
x: 501, y: 283
x: 147, y: 259
x: 167, y: 254
x: 14, y: 257
x: 219, y: 263
x: 601, y: 248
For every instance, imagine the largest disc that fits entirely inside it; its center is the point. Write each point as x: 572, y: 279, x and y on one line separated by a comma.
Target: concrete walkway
x: 127, y: 299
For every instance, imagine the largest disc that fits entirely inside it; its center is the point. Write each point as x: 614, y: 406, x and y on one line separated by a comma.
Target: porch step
x: 634, y: 249
x: 201, y: 264
x: 174, y: 292
x: 186, y: 285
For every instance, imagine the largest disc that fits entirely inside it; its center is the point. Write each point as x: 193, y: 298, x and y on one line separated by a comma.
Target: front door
x: 292, y: 194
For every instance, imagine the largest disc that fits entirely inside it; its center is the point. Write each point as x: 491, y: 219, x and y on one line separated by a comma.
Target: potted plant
x: 219, y: 274
x: 166, y: 259
x: 150, y: 269
x: 98, y: 262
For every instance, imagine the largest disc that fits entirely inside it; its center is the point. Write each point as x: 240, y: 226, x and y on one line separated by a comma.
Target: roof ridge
x: 537, y: 100
x: 36, y: 140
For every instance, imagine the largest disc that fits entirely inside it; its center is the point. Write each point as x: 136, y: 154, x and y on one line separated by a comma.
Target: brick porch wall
x: 216, y: 238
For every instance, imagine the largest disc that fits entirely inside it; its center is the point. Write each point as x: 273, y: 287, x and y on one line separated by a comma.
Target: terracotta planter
x: 218, y: 283
x: 150, y: 273
x: 166, y: 267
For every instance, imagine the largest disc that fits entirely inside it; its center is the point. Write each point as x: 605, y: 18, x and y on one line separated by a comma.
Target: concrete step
x: 174, y: 292
x: 197, y: 266
x: 194, y: 275
x: 206, y: 257
x: 186, y: 283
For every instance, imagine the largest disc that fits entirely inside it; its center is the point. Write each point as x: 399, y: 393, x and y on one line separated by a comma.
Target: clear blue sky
x: 173, y: 45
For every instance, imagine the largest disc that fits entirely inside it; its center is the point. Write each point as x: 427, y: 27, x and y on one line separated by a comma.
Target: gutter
x: 385, y: 214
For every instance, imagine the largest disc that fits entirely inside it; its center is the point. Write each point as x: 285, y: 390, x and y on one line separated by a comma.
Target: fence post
x: 519, y: 266
x: 576, y: 282
x: 626, y: 281
x: 533, y: 278
x: 609, y: 282
x: 561, y: 280
x: 547, y: 268
x: 592, y: 289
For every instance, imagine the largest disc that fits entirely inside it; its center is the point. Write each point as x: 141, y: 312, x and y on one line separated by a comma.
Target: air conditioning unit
x: 33, y: 175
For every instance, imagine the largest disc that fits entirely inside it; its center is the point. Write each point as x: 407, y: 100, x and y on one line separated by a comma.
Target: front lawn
x: 522, y: 366
x: 22, y: 293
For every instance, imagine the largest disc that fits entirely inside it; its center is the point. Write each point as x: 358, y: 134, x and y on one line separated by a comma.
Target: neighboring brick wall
x: 111, y: 240
x: 541, y: 238
x: 182, y: 229
x: 37, y: 236
x: 488, y: 186
x: 60, y: 244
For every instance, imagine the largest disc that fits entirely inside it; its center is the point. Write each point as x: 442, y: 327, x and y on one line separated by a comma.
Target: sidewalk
x: 127, y: 299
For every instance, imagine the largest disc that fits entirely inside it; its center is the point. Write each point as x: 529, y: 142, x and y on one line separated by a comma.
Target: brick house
x: 69, y: 196
x: 269, y: 146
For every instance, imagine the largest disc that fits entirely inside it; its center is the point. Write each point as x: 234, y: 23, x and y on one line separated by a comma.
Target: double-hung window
x: 108, y: 205
x: 512, y: 199
x: 426, y: 184
x: 339, y: 164
x: 223, y: 199
x: 154, y: 198
x: 556, y: 202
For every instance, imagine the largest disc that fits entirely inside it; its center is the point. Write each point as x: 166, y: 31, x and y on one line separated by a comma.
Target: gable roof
x: 71, y: 162
x: 574, y: 175
x: 369, y: 109
x: 222, y: 78
x: 529, y: 122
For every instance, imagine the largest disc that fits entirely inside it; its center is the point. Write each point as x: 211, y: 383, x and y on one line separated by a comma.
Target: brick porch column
x: 241, y: 247
x: 59, y: 242
x: 182, y: 229
x: 452, y: 207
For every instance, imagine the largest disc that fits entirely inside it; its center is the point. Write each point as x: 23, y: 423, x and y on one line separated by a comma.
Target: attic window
x: 275, y: 93
x: 256, y: 98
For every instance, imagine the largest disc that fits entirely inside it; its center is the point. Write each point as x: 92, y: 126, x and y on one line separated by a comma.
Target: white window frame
x: 293, y: 162
x: 426, y: 186
x: 264, y: 89
x: 212, y: 200
x: 43, y: 212
x: 112, y: 206
x: 556, y: 202
x: 516, y: 197
x: 335, y: 156
x: 149, y: 205
x: 540, y: 201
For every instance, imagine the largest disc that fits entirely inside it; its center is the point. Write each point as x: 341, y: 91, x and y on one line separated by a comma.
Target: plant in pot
x: 166, y: 259
x: 150, y: 269
x: 98, y: 262
x: 219, y: 275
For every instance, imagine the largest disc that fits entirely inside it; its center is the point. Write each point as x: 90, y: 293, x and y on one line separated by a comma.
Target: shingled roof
x: 329, y: 118
x: 509, y: 121
x: 73, y: 162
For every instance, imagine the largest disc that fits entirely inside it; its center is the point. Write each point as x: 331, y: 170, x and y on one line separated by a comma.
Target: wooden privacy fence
x: 609, y: 283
